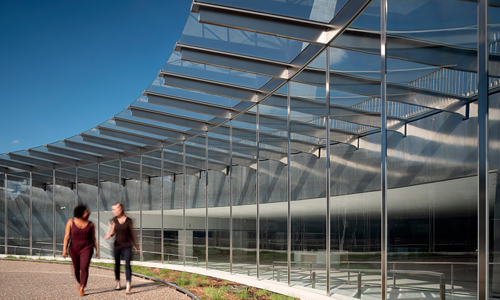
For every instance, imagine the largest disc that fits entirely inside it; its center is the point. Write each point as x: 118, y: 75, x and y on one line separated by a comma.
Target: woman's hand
x: 64, y: 254
x: 135, y: 249
x: 107, y: 237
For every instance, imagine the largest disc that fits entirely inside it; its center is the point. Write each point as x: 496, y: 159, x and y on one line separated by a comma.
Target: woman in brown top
x: 82, y: 234
x: 123, y: 229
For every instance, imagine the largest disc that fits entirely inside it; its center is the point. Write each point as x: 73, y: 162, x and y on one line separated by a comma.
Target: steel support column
x: 383, y: 144
x: 31, y: 213
x: 483, y: 216
x: 140, y: 204
x: 54, y: 234
x: 184, y: 202
x: 230, y: 196
x: 257, y: 187
x: 162, y: 195
x: 120, y: 179
x: 6, y: 220
x: 327, y: 125
x: 76, y: 183
x: 99, y: 203
x: 206, y: 200
x: 288, y: 188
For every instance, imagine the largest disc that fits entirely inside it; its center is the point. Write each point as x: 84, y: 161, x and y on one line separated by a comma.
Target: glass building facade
x: 350, y: 147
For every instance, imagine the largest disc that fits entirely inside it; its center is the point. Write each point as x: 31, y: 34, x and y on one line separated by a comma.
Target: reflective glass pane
x: 18, y: 210
x: 243, y: 191
x: 432, y: 164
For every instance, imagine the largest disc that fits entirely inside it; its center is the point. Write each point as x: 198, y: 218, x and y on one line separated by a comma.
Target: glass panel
x: 432, y: 165
x: 172, y: 218
x: 108, y: 195
x: 308, y: 190
x: 195, y: 219
x: 18, y: 226
x: 355, y: 155
x: 2, y: 213
x: 317, y: 10
x: 65, y: 204
x: 151, y: 208
x: 238, y: 41
x: 43, y: 216
x: 494, y: 150
x: 87, y: 195
x: 244, y: 204
x: 218, y: 216
x: 273, y: 205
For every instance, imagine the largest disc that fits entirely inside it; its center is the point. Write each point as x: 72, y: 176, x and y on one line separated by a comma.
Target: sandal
x: 118, y: 287
x: 128, y: 289
x: 80, y: 291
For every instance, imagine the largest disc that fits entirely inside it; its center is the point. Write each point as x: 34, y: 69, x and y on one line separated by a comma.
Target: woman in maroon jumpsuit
x: 82, y: 234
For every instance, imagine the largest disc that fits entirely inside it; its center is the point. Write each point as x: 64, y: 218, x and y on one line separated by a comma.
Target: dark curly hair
x: 79, y: 210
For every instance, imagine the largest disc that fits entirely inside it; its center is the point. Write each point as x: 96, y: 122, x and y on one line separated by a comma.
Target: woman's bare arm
x: 111, y: 231
x: 67, y: 234
x: 93, y: 238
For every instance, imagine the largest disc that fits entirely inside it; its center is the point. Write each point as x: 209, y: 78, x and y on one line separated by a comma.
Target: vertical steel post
x: 483, y: 216
x: 230, y: 196
x: 6, y: 220
x: 289, y: 187
x: 206, y: 200
x: 162, y: 195
x: 120, y: 179
x: 140, y: 204
x: 76, y: 182
x: 257, y: 190
x: 328, y: 221
x: 184, y: 201
x: 98, y: 204
x: 54, y: 234
x: 383, y: 142
x: 31, y: 213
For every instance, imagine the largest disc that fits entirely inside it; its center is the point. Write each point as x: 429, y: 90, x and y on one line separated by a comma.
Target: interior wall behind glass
x: 42, y: 220
x: 65, y: 204
x: 195, y: 219
x: 432, y: 165
x: 218, y: 221
x: 18, y: 214
x: 494, y: 151
x: 172, y: 219
x: 2, y: 213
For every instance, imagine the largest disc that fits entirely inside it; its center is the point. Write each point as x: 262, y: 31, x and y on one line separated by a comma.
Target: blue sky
x: 67, y: 66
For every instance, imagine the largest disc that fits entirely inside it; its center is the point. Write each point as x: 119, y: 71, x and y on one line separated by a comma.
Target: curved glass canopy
x: 232, y: 56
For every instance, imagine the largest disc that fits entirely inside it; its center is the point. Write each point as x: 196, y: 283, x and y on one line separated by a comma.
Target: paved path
x: 36, y: 280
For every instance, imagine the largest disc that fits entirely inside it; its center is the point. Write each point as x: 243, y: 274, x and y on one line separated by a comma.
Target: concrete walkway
x: 38, y: 280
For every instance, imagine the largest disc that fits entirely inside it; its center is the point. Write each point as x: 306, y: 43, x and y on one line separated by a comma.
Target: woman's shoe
x: 128, y: 289
x: 81, y: 292
x: 118, y: 287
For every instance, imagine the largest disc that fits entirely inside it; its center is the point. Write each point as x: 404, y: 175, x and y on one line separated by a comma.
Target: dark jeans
x: 126, y: 254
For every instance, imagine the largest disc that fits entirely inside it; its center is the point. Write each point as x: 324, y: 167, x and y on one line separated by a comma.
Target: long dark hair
x: 79, y: 210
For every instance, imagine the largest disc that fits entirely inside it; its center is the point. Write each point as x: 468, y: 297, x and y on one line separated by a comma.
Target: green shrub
x: 214, y: 293
x: 261, y: 292
x: 242, y: 295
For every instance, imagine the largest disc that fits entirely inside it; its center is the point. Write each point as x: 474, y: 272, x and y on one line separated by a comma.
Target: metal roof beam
x: 8, y: 162
x: 136, y: 124
x: 121, y: 133
x: 96, y: 138
x: 192, y: 105
x: 84, y: 155
x: 234, y: 61
x: 78, y: 143
x: 42, y: 152
x: 34, y: 160
x: 419, y: 51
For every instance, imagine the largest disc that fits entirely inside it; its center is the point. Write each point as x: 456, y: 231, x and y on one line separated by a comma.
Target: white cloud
x: 15, y: 142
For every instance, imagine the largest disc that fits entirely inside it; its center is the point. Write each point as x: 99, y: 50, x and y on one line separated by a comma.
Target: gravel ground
x: 34, y: 280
